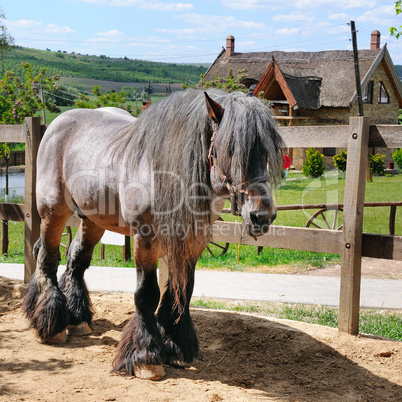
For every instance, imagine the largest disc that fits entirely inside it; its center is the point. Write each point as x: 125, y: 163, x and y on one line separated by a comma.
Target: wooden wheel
x: 217, y: 249
x: 66, y: 239
x: 327, y: 218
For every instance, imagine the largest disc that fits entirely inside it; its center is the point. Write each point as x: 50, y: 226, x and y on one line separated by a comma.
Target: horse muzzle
x: 259, y: 221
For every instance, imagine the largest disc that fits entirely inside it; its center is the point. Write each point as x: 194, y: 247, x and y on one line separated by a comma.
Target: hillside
x: 100, y: 67
x: 399, y: 71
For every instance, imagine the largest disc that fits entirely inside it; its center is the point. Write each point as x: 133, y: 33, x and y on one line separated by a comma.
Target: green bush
x: 397, y: 157
x: 340, y: 160
x: 377, y: 164
x: 313, y: 166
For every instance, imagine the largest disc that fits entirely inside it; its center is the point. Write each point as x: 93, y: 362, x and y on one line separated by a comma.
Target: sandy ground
x: 243, y: 358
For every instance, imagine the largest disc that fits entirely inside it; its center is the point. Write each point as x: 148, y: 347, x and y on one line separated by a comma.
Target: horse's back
x: 77, y: 141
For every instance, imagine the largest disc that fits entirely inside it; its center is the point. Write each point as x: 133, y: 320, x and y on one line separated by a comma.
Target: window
x: 383, y: 96
x: 367, y: 95
x: 329, y: 151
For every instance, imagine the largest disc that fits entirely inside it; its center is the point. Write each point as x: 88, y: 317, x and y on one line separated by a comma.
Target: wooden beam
x: 349, y: 301
x: 322, y: 240
x: 315, y: 136
x: 382, y: 246
x: 4, y: 237
x: 12, y: 212
x: 385, y: 136
x: 337, y: 136
x: 32, y: 220
x: 12, y: 133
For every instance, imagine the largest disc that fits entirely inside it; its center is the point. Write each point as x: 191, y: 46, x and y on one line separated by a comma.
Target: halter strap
x: 234, y: 191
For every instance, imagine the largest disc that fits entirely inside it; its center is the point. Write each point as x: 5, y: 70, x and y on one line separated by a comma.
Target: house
x: 316, y: 88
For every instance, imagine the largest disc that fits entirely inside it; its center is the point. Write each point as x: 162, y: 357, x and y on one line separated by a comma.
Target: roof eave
x: 368, y: 75
x: 383, y: 55
x: 214, y: 62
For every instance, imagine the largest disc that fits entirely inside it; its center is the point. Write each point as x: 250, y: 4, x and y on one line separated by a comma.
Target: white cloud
x: 380, y: 16
x: 37, y: 27
x: 216, y: 23
x: 287, y: 31
x: 294, y: 18
x: 256, y: 5
x: 251, y: 5
x: 150, y: 4
x: 112, y: 33
x: 338, y: 16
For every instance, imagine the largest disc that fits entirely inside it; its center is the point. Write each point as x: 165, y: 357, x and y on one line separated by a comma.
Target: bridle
x: 235, y: 191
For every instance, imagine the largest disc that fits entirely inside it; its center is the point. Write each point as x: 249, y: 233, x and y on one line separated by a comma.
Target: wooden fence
x: 29, y: 133
x: 351, y: 243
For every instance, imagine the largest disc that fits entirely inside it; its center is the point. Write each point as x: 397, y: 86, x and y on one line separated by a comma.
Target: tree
x: 6, y: 40
x: 111, y: 99
x: 340, y: 160
x: 397, y: 32
x: 229, y: 84
x: 314, y: 164
x: 19, y: 98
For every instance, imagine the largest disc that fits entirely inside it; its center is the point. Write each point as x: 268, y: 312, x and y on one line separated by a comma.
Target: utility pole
x: 43, y: 110
x: 359, y: 89
x: 357, y: 71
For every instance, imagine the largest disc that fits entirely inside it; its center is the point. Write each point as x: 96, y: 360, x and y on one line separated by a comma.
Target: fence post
x: 33, y: 133
x: 349, y: 302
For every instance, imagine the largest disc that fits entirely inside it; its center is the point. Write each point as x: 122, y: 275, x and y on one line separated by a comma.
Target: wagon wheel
x: 67, y: 235
x: 216, y: 249
x: 327, y: 218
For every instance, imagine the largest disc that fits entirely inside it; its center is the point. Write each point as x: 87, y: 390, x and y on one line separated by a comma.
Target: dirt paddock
x: 243, y: 357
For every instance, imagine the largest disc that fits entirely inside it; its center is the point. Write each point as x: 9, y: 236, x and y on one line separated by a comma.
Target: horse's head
x: 244, y: 140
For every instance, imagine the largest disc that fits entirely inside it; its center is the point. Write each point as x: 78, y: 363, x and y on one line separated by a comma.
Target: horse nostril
x: 258, y: 218
x: 262, y: 217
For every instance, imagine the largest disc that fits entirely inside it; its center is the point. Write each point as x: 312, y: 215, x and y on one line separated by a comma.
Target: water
x: 16, y: 185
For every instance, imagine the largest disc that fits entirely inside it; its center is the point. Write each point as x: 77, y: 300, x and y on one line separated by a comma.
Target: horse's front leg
x: 140, y: 351
x: 175, y: 323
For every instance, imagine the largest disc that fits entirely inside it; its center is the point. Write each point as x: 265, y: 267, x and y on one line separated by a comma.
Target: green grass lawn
x: 384, y: 323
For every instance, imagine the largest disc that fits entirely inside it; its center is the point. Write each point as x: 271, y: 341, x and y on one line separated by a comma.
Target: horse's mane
x: 175, y: 135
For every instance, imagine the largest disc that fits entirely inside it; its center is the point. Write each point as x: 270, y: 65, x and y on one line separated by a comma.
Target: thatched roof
x: 316, y: 79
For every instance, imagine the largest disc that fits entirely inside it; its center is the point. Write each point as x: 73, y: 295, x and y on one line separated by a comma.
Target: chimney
x: 375, y: 40
x: 230, y: 43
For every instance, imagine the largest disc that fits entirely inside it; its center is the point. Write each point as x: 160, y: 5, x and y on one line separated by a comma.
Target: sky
x: 192, y: 31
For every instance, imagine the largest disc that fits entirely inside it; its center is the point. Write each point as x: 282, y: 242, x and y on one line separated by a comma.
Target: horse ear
x: 215, y: 110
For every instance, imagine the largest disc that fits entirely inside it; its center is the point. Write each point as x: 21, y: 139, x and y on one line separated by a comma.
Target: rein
x: 234, y: 191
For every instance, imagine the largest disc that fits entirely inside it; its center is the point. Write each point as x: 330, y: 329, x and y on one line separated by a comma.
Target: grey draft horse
x: 161, y: 178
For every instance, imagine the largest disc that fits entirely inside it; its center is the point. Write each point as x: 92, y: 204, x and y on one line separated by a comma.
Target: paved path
x: 306, y: 289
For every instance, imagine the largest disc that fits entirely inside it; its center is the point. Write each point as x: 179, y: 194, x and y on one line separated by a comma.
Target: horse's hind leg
x: 72, y: 282
x: 44, y: 304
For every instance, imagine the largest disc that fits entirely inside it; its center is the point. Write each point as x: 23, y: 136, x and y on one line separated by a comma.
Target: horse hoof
x: 79, y: 330
x: 150, y: 372
x: 59, y: 338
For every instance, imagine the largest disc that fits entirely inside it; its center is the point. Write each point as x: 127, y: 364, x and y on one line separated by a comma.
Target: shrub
x: 340, y: 160
x: 397, y: 157
x: 313, y: 166
x: 377, y: 164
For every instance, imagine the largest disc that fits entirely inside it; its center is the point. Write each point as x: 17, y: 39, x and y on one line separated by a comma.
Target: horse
x: 162, y: 178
